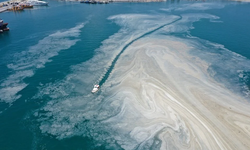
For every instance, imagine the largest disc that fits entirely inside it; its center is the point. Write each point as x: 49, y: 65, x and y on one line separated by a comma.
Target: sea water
x: 52, y: 56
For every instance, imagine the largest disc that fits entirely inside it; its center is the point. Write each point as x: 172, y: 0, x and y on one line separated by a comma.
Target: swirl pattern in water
x: 163, y: 92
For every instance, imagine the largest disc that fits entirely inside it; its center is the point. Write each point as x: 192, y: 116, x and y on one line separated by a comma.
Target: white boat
x: 37, y: 3
x: 96, y: 88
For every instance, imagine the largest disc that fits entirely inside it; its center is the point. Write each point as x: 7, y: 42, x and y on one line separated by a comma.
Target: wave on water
x: 27, y: 62
x: 164, y: 92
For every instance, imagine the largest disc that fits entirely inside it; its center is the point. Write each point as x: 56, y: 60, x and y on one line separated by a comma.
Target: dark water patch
x: 232, y: 33
x: 13, y: 134
x: 226, y: 67
x: 244, y: 78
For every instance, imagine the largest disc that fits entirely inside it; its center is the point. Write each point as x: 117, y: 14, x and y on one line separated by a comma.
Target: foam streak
x: 34, y: 58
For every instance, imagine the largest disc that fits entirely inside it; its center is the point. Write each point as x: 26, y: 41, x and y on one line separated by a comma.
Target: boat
x: 88, y: 1
x: 15, y: 8
x: 3, y: 26
x: 85, y: 1
x: 37, y: 3
x: 26, y: 5
x: 93, y: 2
x: 102, y: 2
x: 95, y: 89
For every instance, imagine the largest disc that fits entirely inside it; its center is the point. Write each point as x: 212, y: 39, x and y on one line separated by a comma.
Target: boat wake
x: 162, y: 89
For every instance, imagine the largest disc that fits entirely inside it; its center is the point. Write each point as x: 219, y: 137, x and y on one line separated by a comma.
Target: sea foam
x: 27, y: 62
x: 161, y: 93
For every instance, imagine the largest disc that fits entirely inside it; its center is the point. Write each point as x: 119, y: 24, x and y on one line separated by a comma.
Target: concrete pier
x: 3, y: 6
x: 2, y: 9
x: 7, y: 4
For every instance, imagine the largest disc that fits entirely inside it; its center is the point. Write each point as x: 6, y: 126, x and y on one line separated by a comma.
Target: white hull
x: 95, y: 89
x: 38, y: 3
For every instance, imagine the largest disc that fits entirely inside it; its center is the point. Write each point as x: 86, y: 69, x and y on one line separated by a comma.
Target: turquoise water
x: 49, y: 56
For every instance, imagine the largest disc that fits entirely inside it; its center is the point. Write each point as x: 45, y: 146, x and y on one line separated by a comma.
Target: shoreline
x: 4, y: 6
